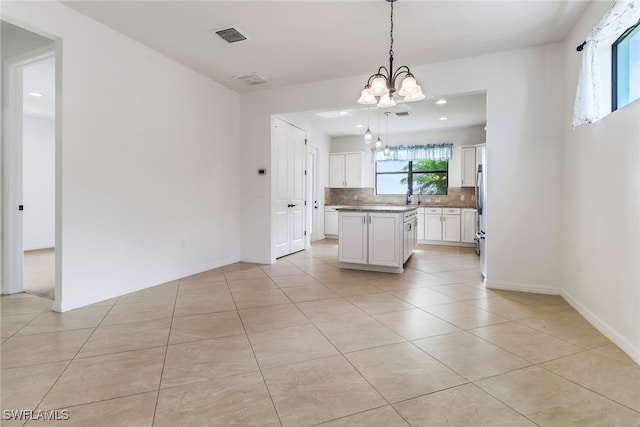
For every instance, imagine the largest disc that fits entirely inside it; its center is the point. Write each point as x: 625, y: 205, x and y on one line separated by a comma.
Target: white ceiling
x: 296, y: 42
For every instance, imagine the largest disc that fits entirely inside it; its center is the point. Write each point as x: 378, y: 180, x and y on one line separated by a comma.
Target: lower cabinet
x: 446, y: 225
x: 331, y: 222
x: 468, y: 225
x: 374, y: 239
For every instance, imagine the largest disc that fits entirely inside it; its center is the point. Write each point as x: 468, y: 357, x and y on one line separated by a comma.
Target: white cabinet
x: 376, y: 239
x: 468, y: 165
x: 432, y: 223
x: 410, y: 235
x: 468, y: 223
x: 451, y: 224
x: 330, y: 221
x: 346, y: 170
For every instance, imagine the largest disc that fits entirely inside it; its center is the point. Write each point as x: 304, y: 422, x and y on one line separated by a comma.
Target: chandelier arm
x: 400, y: 71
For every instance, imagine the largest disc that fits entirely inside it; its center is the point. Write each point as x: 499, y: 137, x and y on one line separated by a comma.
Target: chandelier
x: 381, y: 86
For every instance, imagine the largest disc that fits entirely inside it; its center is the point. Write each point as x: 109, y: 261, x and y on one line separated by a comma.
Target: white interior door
x: 290, y: 188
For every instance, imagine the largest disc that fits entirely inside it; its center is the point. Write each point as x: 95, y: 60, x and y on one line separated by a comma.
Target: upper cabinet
x: 471, y: 157
x: 345, y: 170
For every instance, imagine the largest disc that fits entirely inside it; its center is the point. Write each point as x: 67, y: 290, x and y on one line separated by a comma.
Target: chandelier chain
x: 391, y: 33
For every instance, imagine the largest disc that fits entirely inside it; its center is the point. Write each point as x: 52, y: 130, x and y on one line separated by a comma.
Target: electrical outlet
x: 462, y: 197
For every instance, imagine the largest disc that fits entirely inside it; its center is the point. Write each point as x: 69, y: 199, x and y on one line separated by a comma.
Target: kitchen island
x: 376, y: 238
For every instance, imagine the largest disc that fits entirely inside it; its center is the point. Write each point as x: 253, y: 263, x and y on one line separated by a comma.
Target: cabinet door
x: 451, y: 228
x: 353, y: 170
x: 336, y: 170
x: 420, y: 229
x: 386, y: 239
x: 468, y: 165
x: 433, y: 227
x: 468, y: 225
x: 331, y: 223
x: 352, y: 235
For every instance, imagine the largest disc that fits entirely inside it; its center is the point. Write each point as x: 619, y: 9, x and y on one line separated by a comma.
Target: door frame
x: 312, y: 188
x: 12, y: 181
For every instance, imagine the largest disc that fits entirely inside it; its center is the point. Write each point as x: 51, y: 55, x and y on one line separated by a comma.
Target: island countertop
x: 378, y: 208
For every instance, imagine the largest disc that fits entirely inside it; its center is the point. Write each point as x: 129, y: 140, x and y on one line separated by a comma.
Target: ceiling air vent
x: 230, y: 35
x: 402, y: 113
x: 251, y: 79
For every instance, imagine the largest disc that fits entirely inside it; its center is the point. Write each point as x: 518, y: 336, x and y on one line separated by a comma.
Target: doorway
x: 29, y: 163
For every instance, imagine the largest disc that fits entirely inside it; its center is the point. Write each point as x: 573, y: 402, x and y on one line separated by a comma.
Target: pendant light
x: 381, y: 86
x: 387, y: 150
x: 378, y: 144
x: 368, y: 136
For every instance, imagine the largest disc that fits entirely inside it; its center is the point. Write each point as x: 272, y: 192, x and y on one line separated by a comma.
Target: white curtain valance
x: 416, y: 152
x: 588, y: 107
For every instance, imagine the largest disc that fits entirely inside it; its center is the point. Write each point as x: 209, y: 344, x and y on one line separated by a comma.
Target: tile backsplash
x: 459, y: 197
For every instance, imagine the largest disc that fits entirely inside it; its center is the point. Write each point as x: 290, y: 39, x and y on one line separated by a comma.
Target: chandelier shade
x: 381, y: 86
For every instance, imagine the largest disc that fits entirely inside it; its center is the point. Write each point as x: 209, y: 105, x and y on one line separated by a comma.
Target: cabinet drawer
x: 451, y: 211
x: 432, y: 210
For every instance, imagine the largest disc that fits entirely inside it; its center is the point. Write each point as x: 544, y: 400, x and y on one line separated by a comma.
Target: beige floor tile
x: 462, y: 292
x: 215, y: 275
x: 252, y: 284
x: 402, y: 371
x: 285, y: 346
x: 106, y: 303
x: 550, y: 400
x: 138, y: 312
x: 465, y: 316
x: 205, y: 326
x: 208, y: 359
x: 506, y: 308
x: 415, y: 323
x: 573, y: 329
x: 379, y: 303
x: 12, y: 324
x: 51, y: 347
x: 330, y: 309
x: 129, y: 411
x: 422, y: 297
x: 106, y: 377
x: 525, y: 342
x: 470, y: 356
x: 50, y: 321
x: 460, y: 275
x: 239, y: 266
x: 24, y: 387
x: 236, y: 400
x: 126, y: 337
x: 319, y: 390
x: 379, y: 417
x: 202, y: 304
x: 23, y: 305
x: 202, y: 288
x: 462, y: 406
x: 423, y: 279
x: 309, y: 293
x: 391, y: 284
x: 352, y: 287
x: 358, y: 333
x: 542, y: 302
x: 279, y: 270
x: 251, y: 299
x: 616, y: 380
x: 295, y: 280
x: 272, y: 317
x: 160, y: 293
x: 613, y: 351
x: 248, y: 273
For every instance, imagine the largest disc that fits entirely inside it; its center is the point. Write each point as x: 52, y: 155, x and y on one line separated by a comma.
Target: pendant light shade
x: 368, y: 135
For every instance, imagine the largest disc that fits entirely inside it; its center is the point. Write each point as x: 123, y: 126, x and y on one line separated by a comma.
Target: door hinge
x: 305, y: 203
x: 305, y: 232
x: 305, y: 142
x: 305, y: 172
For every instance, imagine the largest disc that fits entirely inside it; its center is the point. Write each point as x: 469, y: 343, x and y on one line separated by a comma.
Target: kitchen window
x: 395, y: 177
x: 625, y: 68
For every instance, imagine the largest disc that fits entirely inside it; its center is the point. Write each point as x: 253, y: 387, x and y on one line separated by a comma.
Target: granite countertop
x: 378, y: 208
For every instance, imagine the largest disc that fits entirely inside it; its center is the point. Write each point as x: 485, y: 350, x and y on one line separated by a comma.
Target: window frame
x: 410, y: 174
x: 629, y: 32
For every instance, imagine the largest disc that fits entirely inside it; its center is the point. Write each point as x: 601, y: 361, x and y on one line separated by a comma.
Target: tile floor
x: 304, y: 343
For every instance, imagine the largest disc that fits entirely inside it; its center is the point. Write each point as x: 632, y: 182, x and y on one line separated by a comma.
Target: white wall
x: 38, y: 185
x: 149, y: 157
x: 523, y: 133
x: 457, y: 136
x: 602, y: 213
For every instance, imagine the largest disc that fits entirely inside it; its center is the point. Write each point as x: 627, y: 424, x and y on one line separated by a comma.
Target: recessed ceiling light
x: 443, y: 118
x: 36, y: 94
x: 343, y: 113
x: 359, y: 126
x: 441, y: 101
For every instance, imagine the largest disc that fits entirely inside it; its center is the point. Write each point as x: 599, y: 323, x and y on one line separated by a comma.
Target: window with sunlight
x: 625, y: 61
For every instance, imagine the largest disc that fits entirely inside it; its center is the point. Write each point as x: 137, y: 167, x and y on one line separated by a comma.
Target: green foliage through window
x: 418, y: 177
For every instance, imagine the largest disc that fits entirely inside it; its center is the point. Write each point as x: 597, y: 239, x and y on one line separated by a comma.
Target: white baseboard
x: 521, y: 287
x: 625, y: 345
x: 257, y: 260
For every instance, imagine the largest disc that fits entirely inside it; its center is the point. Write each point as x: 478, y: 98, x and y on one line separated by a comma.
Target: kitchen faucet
x: 408, y: 200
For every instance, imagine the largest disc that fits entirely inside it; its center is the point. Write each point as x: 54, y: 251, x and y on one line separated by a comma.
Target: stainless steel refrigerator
x: 481, y: 202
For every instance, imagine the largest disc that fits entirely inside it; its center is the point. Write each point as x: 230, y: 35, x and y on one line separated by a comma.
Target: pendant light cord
x: 391, y: 34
